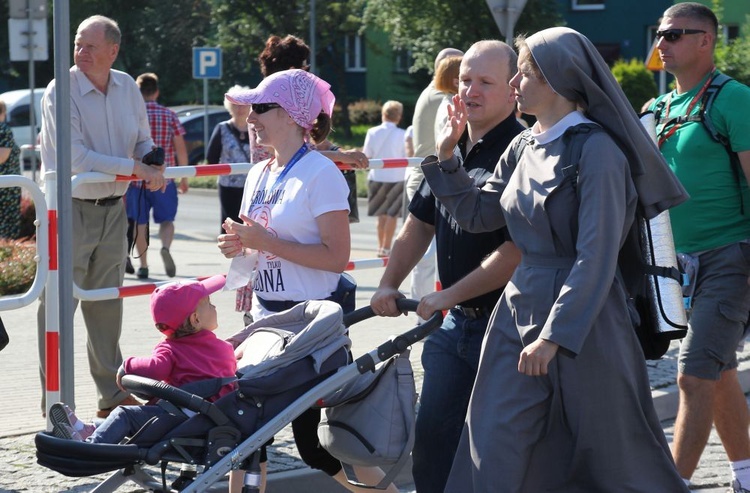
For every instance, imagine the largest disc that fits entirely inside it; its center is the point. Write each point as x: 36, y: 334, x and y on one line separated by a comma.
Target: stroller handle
x: 400, y: 343
x: 142, y: 385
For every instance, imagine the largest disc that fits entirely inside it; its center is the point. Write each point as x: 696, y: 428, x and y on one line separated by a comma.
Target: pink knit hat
x: 173, y: 303
x: 302, y: 94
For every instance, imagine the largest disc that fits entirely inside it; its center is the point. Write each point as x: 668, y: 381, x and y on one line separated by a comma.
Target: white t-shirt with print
x: 312, y: 187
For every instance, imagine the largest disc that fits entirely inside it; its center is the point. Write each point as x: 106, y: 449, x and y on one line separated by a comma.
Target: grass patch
x: 356, y: 141
x: 208, y: 182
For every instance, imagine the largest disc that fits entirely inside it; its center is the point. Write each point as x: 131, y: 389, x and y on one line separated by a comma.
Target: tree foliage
x: 427, y: 26
x: 732, y: 58
x: 241, y: 29
x: 636, y: 80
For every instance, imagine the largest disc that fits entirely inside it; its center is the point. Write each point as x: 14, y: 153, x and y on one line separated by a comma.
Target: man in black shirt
x: 473, y: 268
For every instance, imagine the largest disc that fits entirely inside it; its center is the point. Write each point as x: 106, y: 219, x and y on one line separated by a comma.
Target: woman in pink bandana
x: 295, y: 216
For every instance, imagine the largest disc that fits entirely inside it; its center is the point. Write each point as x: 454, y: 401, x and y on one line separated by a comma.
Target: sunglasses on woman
x: 261, y: 108
x: 672, y: 35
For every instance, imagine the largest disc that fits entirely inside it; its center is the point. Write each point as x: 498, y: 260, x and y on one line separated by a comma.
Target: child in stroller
x: 315, y: 345
x: 190, y: 352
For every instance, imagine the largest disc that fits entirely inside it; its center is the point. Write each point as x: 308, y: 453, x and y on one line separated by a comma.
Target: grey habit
x: 590, y: 424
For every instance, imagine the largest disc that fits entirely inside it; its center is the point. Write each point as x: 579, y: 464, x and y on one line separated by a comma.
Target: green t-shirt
x: 711, y: 217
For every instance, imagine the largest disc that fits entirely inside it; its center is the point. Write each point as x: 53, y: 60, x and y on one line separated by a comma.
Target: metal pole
x: 205, y: 118
x: 509, y: 29
x: 312, y: 36
x: 662, y: 81
x: 61, y: 16
x: 32, y: 84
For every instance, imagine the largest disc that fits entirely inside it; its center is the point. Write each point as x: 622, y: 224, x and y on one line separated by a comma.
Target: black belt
x: 103, y: 202
x: 276, y: 305
x: 474, y: 313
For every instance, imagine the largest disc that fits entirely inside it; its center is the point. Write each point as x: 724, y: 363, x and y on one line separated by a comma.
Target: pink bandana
x: 302, y: 94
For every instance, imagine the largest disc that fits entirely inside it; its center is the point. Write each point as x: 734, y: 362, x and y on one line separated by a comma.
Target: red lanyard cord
x: 696, y: 98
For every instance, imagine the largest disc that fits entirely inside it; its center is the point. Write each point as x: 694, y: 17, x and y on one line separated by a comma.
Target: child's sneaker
x: 67, y: 425
x: 62, y: 430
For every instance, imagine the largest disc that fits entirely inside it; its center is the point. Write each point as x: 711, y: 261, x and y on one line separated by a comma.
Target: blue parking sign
x: 206, y: 63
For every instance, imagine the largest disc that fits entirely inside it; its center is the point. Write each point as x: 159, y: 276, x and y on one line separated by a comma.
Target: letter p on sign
x: 207, y: 63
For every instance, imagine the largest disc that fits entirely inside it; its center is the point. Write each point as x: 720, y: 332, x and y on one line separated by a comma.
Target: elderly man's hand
x: 153, y: 176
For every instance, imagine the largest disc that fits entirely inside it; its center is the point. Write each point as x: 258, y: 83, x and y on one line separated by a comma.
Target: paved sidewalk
x: 195, y: 254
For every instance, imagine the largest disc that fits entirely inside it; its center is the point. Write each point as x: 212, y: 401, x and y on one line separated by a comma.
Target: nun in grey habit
x: 562, y: 402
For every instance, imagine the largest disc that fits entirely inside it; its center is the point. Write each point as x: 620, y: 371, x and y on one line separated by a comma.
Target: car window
x: 217, y: 118
x: 19, y: 116
x: 193, y: 126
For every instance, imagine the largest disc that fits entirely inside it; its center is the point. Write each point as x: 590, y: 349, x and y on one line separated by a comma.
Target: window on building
x: 354, y: 48
x: 402, y: 61
x: 729, y: 32
x: 587, y: 4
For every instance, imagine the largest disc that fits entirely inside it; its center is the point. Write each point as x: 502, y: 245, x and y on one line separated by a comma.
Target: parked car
x: 19, y: 117
x: 191, y: 117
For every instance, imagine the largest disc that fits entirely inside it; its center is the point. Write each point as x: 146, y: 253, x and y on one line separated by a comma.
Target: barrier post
x: 51, y: 301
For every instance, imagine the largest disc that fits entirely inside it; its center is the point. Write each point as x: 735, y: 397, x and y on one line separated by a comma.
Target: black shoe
x: 129, y: 266
x: 142, y: 273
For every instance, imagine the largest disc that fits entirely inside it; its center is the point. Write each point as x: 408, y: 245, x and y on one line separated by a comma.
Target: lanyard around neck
x: 690, y: 107
x: 279, y: 179
x: 297, y: 156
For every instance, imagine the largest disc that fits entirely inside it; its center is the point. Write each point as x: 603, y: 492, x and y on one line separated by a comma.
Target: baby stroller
x: 224, y: 435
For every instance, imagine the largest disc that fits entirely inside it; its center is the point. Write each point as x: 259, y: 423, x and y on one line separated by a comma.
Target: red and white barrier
x: 47, y: 249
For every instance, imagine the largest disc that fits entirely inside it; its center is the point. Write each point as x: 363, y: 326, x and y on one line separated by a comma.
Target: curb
x: 305, y: 480
x: 666, y: 400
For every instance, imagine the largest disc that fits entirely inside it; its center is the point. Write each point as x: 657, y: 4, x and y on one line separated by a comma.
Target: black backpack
x: 718, y: 81
x: 651, y: 320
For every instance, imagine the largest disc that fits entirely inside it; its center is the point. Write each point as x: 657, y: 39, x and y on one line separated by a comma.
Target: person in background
x: 295, y: 216
x: 409, y: 142
x: 230, y: 143
x: 10, y: 197
x: 109, y: 134
x: 712, y: 235
x: 446, y: 81
x: 167, y: 133
x: 386, y: 186
x: 473, y: 267
x: 562, y: 400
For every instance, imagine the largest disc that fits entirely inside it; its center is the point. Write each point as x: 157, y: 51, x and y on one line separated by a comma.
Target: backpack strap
x: 707, y: 101
x: 574, y: 138
x: 704, y: 117
x: 520, y: 145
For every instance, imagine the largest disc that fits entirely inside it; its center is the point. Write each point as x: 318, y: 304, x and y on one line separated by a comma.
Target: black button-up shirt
x: 460, y: 252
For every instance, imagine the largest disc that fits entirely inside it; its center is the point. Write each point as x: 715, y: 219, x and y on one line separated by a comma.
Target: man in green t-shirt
x: 711, y: 231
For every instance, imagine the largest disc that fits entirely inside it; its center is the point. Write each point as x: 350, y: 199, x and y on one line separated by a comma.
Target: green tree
x: 154, y: 39
x: 428, y: 26
x: 636, y: 80
x: 242, y: 28
x: 732, y: 57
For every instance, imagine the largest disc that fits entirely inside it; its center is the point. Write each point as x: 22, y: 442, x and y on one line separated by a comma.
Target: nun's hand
x: 536, y: 356
x: 453, y: 129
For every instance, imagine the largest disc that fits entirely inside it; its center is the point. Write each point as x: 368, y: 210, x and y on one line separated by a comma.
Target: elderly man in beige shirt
x: 109, y: 134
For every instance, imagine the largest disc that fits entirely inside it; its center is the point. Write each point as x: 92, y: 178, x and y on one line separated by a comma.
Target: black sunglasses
x: 672, y: 35
x: 261, y: 108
